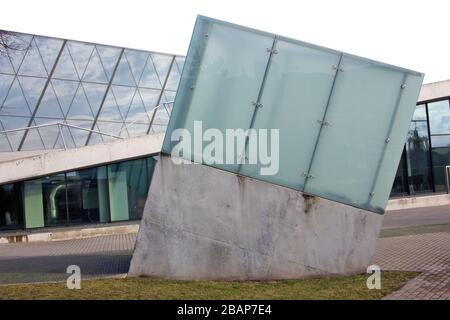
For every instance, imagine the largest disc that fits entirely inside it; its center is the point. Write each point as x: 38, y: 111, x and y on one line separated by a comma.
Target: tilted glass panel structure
x: 368, y: 115
x: 283, y: 107
x: 342, y: 119
x: 45, y: 81
x: 220, y: 66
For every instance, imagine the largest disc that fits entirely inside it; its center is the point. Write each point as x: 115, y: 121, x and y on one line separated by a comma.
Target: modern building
x: 58, y: 94
x: 63, y: 94
x: 422, y: 167
x: 45, y: 81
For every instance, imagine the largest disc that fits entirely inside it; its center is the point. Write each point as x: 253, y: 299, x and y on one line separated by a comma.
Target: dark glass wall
x: 400, y: 185
x: 439, y: 118
x: 427, y: 151
x: 418, y: 153
x: 82, y: 196
x: 113, y: 192
x: 54, y: 190
x: 441, y: 158
x: 128, y: 186
x: 11, y: 211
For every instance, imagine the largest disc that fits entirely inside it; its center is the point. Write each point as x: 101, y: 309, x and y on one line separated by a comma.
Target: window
x: 441, y: 158
x: 439, y: 113
x: 11, y: 213
x: 115, y: 192
x: 128, y: 188
x: 54, y: 192
x: 418, y: 157
x: 439, y: 118
x: 400, y: 184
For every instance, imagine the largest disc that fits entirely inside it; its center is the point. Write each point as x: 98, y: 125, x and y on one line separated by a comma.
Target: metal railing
x: 62, y: 124
x: 164, y: 104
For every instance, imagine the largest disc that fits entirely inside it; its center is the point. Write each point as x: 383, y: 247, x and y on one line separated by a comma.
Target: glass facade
x: 109, y: 89
x: 108, y: 193
x: 427, y: 151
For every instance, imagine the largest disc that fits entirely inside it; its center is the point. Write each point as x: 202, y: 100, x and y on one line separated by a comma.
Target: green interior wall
x: 33, y: 204
x: 118, y: 195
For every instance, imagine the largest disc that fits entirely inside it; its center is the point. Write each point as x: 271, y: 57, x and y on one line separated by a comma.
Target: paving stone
x: 107, y: 256
x: 428, y: 253
x: 48, y: 261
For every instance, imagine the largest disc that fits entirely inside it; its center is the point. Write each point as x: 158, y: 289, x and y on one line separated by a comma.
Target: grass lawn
x: 343, y: 287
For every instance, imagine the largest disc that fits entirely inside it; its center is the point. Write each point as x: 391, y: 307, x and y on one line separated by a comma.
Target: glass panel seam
x: 143, y: 70
x: 101, y: 63
x: 23, y: 58
x: 389, y: 133
x: 75, y: 66
x: 117, y: 104
x: 42, y: 94
x: 94, y: 123
x: 40, y: 56
x: 71, y: 100
x: 257, y: 103
x: 430, y: 148
x: 6, y: 136
x: 131, y: 70
x: 67, y: 200
x: 330, y: 96
x: 131, y: 103
x: 161, y: 93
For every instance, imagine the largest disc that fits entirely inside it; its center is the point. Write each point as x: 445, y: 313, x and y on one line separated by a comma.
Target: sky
x: 408, y: 33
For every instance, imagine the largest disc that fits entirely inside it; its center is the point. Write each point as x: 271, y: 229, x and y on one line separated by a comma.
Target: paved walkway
x: 427, y: 253
x: 47, y: 261
x: 416, y: 217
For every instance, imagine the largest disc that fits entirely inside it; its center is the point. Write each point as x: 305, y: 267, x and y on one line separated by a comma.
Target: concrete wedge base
x: 203, y: 223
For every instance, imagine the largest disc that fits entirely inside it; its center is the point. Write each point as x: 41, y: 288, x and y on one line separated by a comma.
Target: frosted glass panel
x: 349, y: 149
x: 391, y: 157
x: 295, y: 96
x: 220, y: 80
x: 342, y: 119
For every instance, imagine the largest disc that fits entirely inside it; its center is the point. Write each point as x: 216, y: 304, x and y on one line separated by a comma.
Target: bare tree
x: 9, y: 41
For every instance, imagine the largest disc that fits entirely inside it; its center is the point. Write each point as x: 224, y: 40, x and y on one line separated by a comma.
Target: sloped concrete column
x: 204, y: 223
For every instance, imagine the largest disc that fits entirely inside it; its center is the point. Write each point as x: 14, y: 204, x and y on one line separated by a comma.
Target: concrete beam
x: 418, y: 202
x: 203, y: 223
x: 15, y: 167
x: 435, y: 90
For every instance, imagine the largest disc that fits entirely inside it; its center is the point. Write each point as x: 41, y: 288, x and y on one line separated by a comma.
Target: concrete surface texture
x: 52, y: 161
x: 418, y: 202
x: 204, y: 223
